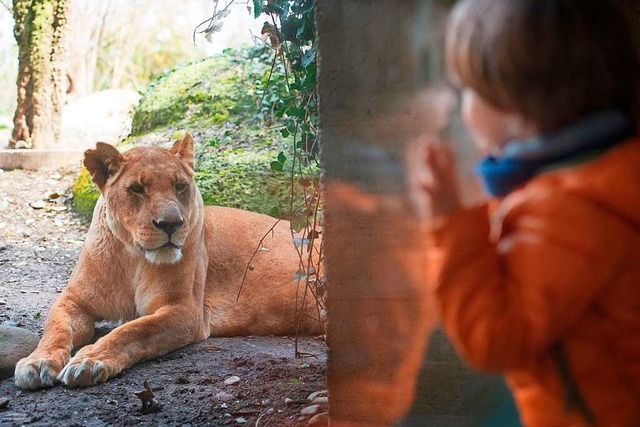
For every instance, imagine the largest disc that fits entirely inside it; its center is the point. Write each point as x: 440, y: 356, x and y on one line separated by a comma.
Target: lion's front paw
x: 82, y: 371
x: 32, y: 373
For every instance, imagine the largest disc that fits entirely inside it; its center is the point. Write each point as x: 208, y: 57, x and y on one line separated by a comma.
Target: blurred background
x: 107, y: 51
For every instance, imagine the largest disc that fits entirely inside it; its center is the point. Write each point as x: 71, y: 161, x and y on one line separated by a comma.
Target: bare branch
x: 249, y: 266
x: 6, y: 6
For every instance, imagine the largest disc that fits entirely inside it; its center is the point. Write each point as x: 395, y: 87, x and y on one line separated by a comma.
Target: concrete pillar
x: 381, y: 87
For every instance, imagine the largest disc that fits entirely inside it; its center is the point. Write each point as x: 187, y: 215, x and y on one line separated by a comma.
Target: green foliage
x: 85, y: 194
x: 291, y: 95
x: 291, y: 90
x: 294, y: 44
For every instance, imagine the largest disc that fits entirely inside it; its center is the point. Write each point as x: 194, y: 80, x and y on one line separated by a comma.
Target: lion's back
x: 258, y: 249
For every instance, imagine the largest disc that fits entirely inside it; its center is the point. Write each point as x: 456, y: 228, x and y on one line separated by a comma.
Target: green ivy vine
x: 290, y: 102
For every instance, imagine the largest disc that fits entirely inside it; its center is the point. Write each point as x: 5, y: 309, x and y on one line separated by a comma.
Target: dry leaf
x: 148, y: 399
x: 271, y: 32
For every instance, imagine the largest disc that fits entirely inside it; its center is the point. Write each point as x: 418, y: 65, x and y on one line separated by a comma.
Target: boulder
x: 15, y: 343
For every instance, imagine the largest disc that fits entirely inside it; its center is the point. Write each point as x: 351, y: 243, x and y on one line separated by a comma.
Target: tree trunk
x: 40, y: 31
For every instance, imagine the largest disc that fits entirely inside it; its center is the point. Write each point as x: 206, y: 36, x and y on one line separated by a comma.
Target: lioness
x: 168, y: 267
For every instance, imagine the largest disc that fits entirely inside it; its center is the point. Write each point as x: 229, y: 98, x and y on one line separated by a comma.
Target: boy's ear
x: 102, y: 162
x: 183, y: 148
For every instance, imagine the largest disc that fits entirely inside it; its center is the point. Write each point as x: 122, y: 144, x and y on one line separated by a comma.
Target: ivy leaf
x: 275, y: 211
x: 298, y: 222
x: 257, y: 8
x: 309, y: 57
x: 300, y: 30
x: 282, y: 158
x: 285, y: 133
x: 277, y: 166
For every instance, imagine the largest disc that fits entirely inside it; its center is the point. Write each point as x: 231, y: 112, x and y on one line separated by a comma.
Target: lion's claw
x: 32, y: 374
x: 83, y: 371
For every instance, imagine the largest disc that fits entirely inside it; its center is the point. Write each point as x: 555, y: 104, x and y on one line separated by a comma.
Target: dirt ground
x: 40, y: 239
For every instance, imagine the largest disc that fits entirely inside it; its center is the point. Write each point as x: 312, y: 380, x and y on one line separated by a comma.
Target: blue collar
x: 522, y: 160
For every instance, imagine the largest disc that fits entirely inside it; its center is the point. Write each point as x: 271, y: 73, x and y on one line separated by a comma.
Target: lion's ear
x: 183, y: 148
x: 102, y: 162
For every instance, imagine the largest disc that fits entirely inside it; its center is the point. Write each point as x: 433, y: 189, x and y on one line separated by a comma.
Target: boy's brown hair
x: 553, y: 61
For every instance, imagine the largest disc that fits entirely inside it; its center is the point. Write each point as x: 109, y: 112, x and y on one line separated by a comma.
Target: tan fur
x: 168, y: 297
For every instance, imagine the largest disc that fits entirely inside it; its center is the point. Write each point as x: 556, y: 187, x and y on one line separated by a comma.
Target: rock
x: 316, y: 394
x: 319, y: 420
x: 310, y: 410
x: 21, y: 145
x: 3, y: 246
x: 232, y: 380
x: 223, y: 397
x: 38, y: 204
x: 241, y: 420
x: 320, y: 400
x: 4, y: 403
x: 15, y: 343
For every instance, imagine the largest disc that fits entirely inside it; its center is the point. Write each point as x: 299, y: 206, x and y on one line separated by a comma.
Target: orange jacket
x: 557, y: 261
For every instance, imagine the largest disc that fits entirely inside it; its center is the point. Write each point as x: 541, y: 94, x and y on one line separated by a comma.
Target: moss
x: 242, y: 179
x: 85, y: 194
x: 214, y: 90
x: 217, y: 101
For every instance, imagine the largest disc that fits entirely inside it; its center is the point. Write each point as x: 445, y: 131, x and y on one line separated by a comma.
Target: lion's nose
x: 168, y: 227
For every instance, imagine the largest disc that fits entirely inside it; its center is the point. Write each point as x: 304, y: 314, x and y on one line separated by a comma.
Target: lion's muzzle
x: 168, y: 227
x: 169, y: 220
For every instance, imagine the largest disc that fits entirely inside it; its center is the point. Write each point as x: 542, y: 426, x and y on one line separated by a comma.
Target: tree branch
x: 6, y: 6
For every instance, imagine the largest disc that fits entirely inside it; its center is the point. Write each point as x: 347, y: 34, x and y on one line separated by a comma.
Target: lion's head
x: 149, y: 194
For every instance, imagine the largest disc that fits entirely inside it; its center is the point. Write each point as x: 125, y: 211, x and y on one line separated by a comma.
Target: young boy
x: 544, y: 287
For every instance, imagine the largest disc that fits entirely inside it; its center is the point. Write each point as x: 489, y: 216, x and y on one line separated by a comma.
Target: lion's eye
x: 136, y: 189
x: 181, y: 187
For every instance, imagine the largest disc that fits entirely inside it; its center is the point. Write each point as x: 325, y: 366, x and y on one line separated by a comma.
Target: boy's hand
x: 432, y: 179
